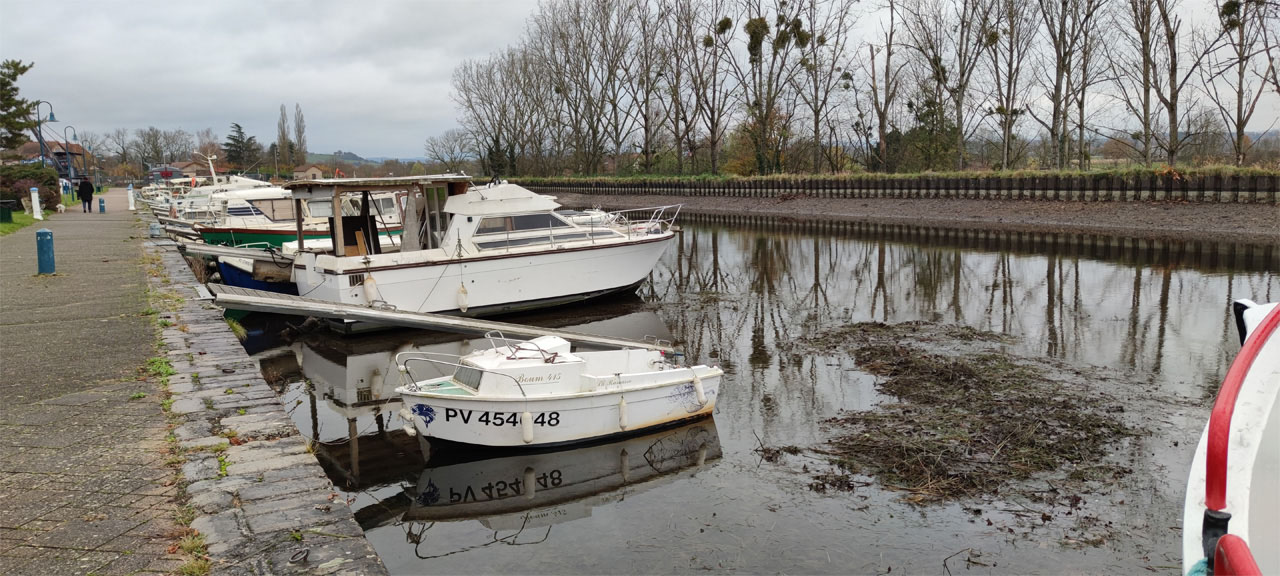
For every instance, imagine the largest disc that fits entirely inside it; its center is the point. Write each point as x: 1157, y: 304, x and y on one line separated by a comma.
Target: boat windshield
x: 468, y: 376
x: 523, y: 222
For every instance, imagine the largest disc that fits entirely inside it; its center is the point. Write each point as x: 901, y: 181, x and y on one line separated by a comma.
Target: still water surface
x: 699, y: 498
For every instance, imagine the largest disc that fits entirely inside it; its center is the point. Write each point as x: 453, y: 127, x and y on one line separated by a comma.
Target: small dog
x: 60, y: 208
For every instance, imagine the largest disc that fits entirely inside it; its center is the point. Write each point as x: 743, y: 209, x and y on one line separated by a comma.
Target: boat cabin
x: 419, y: 201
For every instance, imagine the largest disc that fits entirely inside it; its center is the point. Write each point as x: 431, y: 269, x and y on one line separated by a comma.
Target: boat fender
x: 702, y: 455
x: 409, y: 430
x: 626, y: 468
x: 622, y: 413
x: 530, y: 483
x: 405, y: 415
x: 462, y: 298
x: 526, y: 426
x: 697, y: 387
x: 370, y: 290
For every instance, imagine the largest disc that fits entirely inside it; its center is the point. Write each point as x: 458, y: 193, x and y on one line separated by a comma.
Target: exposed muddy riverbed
x: 1136, y: 342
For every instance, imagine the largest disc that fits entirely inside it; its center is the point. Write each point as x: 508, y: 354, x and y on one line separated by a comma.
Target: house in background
x: 189, y: 169
x: 308, y: 172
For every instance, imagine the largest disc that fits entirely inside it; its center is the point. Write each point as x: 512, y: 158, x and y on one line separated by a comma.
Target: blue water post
x: 102, y: 205
x: 44, y: 251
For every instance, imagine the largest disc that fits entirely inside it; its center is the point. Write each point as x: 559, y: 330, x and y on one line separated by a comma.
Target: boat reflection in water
x: 514, y: 491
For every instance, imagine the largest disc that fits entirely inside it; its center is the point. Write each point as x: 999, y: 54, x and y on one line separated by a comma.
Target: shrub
x: 17, y: 179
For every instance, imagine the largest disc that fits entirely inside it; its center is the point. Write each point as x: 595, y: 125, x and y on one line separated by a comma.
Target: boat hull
x: 477, y: 285
x: 1252, y: 467
x: 235, y: 276
x: 264, y: 237
x: 560, y: 420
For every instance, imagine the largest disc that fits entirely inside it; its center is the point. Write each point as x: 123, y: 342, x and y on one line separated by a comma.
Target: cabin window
x: 275, y: 208
x: 320, y: 208
x: 520, y: 223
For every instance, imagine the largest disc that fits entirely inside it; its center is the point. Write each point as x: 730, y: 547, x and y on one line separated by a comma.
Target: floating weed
x: 296, y: 535
x: 241, y: 412
x: 962, y: 425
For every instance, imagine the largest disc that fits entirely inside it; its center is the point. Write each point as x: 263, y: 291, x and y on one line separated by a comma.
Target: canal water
x: 702, y: 497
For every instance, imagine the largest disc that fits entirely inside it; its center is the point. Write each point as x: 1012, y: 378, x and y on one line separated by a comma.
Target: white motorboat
x: 488, y: 250
x: 538, y: 393
x: 1231, y: 516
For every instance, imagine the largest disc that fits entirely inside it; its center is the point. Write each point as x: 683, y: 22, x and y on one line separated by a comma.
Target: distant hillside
x: 344, y: 157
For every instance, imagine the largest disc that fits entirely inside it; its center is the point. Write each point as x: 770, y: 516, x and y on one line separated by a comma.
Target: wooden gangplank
x: 246, y: 299
x: 232, y: 251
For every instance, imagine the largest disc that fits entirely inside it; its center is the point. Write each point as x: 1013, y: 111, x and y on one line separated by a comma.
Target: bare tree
x: 885, y: 79
x: 645, y: 78
x: 1238, y: 63
x: 775, y: 35
x: 1172, y: 79
x: 299, y: 136
x: 449, y: 149
x: 120, y: 143
x: 1015, y: 22
x: 148, y: 145
x: 1133, y: 71
x: 680, y: 42
x: 822, y: 64
x: 950, y: 38
x: 177, y: 144
x: 1065, y: 24
x: 1087, y: 73
x: 207, y: 143
x: 712, y: 83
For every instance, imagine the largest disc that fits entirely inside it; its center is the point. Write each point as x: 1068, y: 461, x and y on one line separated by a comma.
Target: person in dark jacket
x: 85, y: 191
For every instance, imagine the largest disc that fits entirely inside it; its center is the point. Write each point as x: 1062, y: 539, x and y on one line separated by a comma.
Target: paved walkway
x: 84, y: 486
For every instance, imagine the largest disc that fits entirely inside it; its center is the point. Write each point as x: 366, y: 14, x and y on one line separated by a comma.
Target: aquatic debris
x: 962, y: 425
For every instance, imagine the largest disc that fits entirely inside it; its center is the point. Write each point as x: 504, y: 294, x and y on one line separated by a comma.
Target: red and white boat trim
x: 1231, y: 516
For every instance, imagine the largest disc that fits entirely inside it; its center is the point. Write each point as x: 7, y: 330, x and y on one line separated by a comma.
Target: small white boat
x: 1231, y: 515
x: 538, y: 393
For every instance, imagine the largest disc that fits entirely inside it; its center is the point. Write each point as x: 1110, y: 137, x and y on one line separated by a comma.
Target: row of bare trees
x: 763, y: 86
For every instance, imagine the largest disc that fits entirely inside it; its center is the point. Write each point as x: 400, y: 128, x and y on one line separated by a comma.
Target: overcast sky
x: 372, y: 76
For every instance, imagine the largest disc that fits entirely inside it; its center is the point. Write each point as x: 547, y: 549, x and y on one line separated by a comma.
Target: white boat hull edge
x: 1253, y: 469
x: 561, y: 419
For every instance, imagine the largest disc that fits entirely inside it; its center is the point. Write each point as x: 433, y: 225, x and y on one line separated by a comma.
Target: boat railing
x: 403, y: 359
x: 1216, y: 517
x: 645, y: 221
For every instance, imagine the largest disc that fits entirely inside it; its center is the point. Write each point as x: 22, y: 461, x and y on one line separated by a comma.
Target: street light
x: 40, y: 136
x: 66, y: 148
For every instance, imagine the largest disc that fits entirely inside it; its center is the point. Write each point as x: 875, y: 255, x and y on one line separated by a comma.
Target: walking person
x: 85, y: 192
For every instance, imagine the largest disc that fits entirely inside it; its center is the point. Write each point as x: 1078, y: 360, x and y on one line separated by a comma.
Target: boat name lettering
x: 503, y: 489
x: 544, y: 379
x: 499, y: 418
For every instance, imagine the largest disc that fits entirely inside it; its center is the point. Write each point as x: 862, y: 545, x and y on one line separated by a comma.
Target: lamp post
x: 38, y: 134
x: 66, y: 148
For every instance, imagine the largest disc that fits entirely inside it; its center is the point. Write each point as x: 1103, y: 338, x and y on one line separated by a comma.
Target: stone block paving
x: 84, y: 483
x: 264, y: 504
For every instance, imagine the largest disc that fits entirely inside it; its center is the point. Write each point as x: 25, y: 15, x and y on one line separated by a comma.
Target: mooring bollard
x: 35, y: 204
x: 102, y: 205
x: 131, y: 208
x: 44, y: 251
